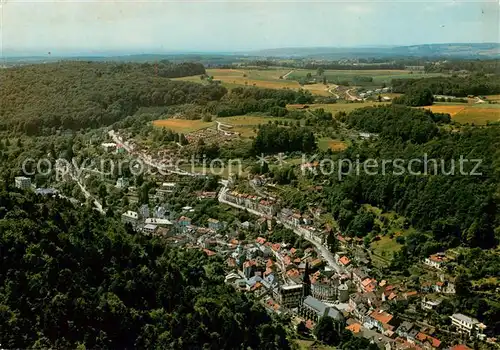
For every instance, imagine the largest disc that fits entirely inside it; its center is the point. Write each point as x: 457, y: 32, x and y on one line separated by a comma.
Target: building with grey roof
x: 314, y: 309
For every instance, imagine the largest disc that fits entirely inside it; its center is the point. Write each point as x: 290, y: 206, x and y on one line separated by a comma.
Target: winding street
x: 325, y: 253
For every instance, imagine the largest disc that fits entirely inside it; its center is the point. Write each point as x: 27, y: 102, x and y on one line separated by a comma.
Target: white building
x: 149, y: 229
x: 468, y: 325
x: 130, y: 217
x: 109, y: 146
x: 437, y: 261
x: 158, y: 222
x: 22, y: 182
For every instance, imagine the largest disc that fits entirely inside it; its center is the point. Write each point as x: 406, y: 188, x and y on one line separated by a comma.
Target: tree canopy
x: 71, y: 277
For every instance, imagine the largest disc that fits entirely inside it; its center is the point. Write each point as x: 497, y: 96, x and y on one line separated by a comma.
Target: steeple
x: 306, y: 281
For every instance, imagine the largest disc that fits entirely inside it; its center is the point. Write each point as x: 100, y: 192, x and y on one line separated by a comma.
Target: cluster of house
x: 253, y: 202
x: 376, y: 92
x: 159, y: 221
x: 275, y: 273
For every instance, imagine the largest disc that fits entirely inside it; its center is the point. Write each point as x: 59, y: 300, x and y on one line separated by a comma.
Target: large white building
x: 467, y: 325
x: 149, y: 229
x: 22, y: 182
x: 130, y: 217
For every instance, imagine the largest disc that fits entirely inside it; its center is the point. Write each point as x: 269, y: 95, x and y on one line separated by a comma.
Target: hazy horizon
x: 89, y: 28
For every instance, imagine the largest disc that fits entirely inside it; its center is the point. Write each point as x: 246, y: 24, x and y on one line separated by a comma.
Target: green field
x: 182, y: 125
x: 263, y: 78
x: 379, y: 76
x: 245, y: 124
x: 384, y: 248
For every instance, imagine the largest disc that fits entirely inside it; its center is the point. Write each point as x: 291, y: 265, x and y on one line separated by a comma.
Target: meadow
x: 182, y: 125
x: 325, y: 143
x: 379, y: 76
x: 246, y: 125
x: 263, y: 78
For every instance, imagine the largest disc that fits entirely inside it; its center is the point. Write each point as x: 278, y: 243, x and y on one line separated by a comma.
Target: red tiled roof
x: 260, y: 240
x: 411, y: 294
x: 344, y: 260
x: 209, y: 252
x: 381, y: 316
x: 427, y: 338
x: 355, y: 328
x: 366, y: 282
x: 460, y: 347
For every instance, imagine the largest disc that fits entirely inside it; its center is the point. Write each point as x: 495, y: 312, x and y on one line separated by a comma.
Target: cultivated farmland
x: 468, y: 114
x: 337, y: 107
x: 379, y: 76
x: 263, y: 78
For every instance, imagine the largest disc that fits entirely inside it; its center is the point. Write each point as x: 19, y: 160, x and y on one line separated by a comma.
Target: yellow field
x: 478, y: 116
x: 334, y: 145
x: 493, y: 97
x: 467, y: 113
x: 182, y: 125
x: 451, y: 110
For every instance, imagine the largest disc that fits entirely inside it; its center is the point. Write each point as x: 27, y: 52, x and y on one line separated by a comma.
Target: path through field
x: 287, y: 74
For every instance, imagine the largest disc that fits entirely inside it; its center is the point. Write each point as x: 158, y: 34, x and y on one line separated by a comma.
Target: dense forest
x: 71, y: 278
x: 38, y: 99
x: 274, y: 139
x: 243, y: 100
x: 476, y: 84
x: 455, y: 208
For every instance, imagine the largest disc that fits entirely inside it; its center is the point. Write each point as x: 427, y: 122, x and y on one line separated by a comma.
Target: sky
x: 158, y: 26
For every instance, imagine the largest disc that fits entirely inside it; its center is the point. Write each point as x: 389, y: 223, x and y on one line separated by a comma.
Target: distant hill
x: 455, y: 50
x: 452, y: 50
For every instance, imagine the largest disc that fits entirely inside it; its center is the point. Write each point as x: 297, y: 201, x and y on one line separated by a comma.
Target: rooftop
x: 131, y: 214
x: 464, y: 318
x: 381, y: 316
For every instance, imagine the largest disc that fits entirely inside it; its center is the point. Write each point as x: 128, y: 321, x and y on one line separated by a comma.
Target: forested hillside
x: 476, y: 84
x: 454, y: 208
x: 71, y: 278
x: 38, y: 99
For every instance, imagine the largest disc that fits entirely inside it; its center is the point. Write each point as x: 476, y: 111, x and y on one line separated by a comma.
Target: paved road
x: 87, y: 193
